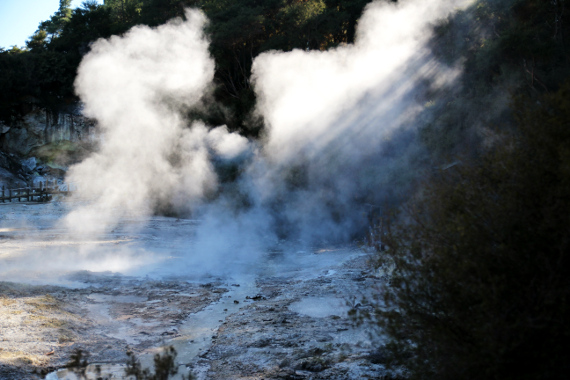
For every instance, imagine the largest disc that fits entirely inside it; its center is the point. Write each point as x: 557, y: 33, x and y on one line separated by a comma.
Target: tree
x: 502, y: 47
x: 38, y: 41
x: 87, y: 24
x: 157, y: 12
x: 481, y: 285
x: 55, y: 24
x: 126, y: 11
x: 241, y: 30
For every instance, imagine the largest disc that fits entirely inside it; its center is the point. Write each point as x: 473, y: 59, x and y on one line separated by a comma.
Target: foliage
x: 157, y: 12
x: 43, y: 75
x: 164, y: 366
x: 78, y: 362
x: 62, y: 153
x: 78, y: 358
x: 56, y: 23
x: 481, y: 285
x: 503, y: 47
x: 241, y: 30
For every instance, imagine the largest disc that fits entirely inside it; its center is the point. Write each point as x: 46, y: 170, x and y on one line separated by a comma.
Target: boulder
x: 4, y: 128
x: 29, y: 164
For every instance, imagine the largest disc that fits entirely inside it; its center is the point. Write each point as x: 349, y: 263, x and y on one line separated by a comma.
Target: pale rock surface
x: 41, y: 126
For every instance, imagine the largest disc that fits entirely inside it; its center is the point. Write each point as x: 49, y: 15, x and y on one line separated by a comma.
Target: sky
x: 19, y: 19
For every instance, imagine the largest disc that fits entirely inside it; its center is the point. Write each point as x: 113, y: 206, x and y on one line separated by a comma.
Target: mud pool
x: 141, y: 287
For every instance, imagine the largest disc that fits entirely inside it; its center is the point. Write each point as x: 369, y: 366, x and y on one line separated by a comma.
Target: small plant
x: 164, y: 366
x: 78, y: 362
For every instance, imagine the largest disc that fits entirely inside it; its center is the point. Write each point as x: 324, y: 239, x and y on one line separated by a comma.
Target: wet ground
x: 283, y: 315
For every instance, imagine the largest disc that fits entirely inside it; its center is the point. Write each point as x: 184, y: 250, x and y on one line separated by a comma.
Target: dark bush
x: 481, y: 283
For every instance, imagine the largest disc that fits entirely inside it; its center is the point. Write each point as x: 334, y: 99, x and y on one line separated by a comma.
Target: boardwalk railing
x: 43, y: 192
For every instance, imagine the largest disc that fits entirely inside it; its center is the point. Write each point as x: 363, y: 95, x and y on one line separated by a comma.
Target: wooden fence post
x: 42, y: 191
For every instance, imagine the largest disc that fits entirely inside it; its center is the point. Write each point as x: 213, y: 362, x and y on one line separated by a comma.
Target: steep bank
x: 43, y: 143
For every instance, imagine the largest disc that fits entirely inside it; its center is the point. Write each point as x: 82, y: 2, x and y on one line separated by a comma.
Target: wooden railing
x: 43, y: 192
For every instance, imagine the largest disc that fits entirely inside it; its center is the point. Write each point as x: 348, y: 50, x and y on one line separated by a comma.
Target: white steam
x: 136, y: 87
x: 309, y: 99
x: 339, y: 132
x: 340, y: 122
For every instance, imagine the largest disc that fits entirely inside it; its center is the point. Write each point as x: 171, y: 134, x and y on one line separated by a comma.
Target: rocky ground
x: 289, y: 321
x: 297, y: 329
x: 42, y: 326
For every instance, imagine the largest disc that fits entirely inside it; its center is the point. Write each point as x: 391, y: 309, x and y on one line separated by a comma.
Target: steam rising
x: 136, y: 87
x: 340, y: 122
x: 309, y: 99
x: 339, y: 132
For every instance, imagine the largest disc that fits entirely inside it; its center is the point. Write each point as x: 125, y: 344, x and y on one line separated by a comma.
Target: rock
x: 256, y: 297
x: 55, y: 170
x: 11, y: 171
x: 264, y: 342
x: 41, y: 126
x: 29, y: 164
x: 377, y: 357
x: 316, y: 364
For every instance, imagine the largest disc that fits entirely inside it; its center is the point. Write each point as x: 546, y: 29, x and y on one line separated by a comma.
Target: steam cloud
x: 136, y: 87
x: 340, y: 122
x: 339, y: 131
